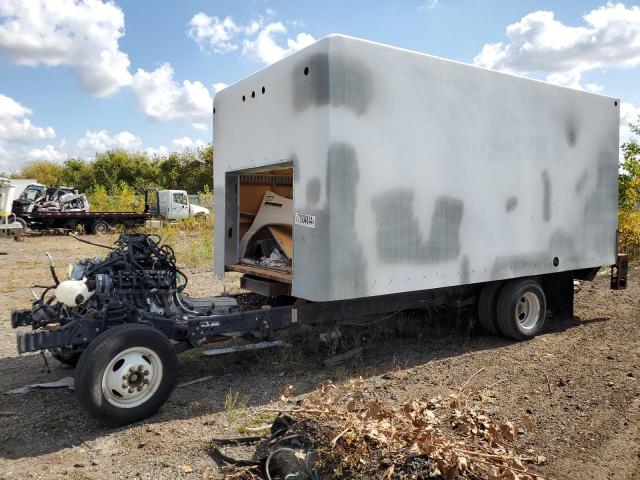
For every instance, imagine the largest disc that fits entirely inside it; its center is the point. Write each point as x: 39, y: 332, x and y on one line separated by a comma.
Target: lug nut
x: 131, y: 390
x: 146, y: 372
x: 145, y: 381
x: 124, y: 385
x: 140, y: 389
x: 131, y: 369
x: 124, y: 377
x: 140, y: 368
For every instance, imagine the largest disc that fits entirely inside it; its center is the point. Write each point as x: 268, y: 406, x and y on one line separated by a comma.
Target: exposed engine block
x: 138, y: 281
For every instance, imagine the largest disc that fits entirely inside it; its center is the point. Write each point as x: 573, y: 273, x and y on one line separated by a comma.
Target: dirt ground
x: 579, y: 381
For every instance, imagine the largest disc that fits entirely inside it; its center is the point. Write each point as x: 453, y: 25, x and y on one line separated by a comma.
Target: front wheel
x: 126, y: 374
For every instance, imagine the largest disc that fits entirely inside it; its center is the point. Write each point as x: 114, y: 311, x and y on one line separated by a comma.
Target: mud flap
x: 619, y: 272
x: 559, y: 291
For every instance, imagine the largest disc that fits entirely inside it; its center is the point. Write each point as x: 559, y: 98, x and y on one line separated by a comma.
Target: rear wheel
x: 522, y: 309
x: 487, y: 307
x: 100, y: 227
x: 126, y: 374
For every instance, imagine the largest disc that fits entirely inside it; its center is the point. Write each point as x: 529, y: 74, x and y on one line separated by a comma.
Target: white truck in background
x: 174, y: 204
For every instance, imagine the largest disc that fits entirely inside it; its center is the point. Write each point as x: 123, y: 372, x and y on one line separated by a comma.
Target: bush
x: 122, y: 199
x: 629, y: 233
x: 190, y: 170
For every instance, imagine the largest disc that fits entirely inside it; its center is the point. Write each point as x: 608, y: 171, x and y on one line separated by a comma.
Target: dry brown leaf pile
x: 457, y: 439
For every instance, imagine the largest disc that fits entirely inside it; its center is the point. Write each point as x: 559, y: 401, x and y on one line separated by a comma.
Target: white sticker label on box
x: 306, y: 220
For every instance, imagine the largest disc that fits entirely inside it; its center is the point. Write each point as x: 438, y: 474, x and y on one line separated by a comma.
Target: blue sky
x: 66, y: 90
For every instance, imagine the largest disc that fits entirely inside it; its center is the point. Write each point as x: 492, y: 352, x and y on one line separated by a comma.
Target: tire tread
x: 487, y: 307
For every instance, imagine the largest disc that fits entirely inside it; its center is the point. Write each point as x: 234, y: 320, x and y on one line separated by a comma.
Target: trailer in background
x: 22, y: 183
x: 98, y: 223
x: 8, y: 224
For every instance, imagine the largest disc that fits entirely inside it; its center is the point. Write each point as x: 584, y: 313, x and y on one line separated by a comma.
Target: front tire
x: 126, y: 374
x: 522, y: 309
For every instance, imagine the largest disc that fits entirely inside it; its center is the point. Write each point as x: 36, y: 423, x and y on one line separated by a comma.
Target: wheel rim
x: 101, y: 228
x: 528, y: 310
x: 132, y: 377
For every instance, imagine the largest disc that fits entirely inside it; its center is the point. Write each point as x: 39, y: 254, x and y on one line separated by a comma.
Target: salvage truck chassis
x: 356, y: 196
x: 122, y: 320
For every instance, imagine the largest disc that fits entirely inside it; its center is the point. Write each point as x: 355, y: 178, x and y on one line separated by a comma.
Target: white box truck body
x: 411, y: 172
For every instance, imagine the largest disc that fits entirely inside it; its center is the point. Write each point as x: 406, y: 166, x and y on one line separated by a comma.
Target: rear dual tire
x: 516, y: 308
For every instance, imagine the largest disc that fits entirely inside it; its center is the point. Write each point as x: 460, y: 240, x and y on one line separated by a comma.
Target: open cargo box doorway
x: 260, y: 220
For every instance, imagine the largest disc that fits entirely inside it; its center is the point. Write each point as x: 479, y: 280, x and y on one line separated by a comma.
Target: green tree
x: 629, y: 177
x: 190, y: 170
x: 47, y: 173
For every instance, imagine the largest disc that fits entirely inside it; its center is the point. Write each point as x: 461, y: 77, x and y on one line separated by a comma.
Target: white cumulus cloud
x: 261, y: 40
x: 212, y: 33
x: 187, y: 142
x: 218, y: 86
x: 100, y: 141
x: 629, y: 113
x: 16, y: 127
x: 164, y: 100
x: 49, y: 153
x: 81, y: 34
x: 153, y: 151
x: 539, y: 43
x: 266, y: 47
x: 429, y: 5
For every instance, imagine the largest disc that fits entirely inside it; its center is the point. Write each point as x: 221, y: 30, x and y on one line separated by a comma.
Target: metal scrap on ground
x: 350, y: 435
x: 66, y: 382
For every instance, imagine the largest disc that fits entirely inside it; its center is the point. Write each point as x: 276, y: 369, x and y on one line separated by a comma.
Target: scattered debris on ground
x: 578, y: 382
x: 66, y: 382
x: 337, y: 432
